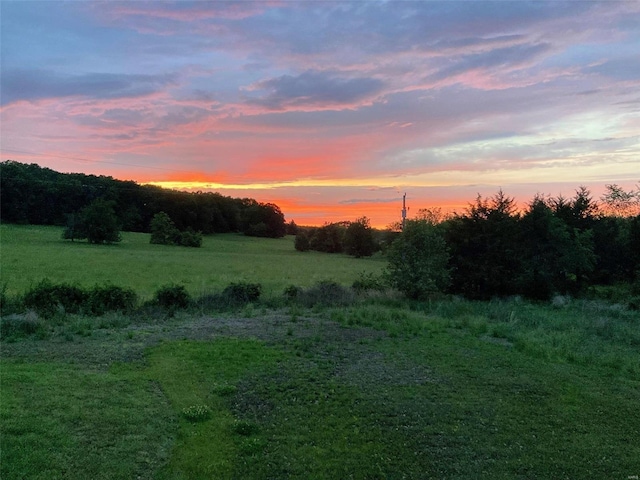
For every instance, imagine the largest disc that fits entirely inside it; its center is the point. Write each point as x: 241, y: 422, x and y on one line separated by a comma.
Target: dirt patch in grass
x: 374, y: 368
x: 102, y: 347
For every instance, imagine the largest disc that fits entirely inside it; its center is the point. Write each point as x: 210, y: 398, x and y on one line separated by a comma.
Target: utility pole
x: 404, y: 210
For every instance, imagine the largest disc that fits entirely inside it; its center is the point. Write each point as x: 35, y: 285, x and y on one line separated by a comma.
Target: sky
x: 333, y: 110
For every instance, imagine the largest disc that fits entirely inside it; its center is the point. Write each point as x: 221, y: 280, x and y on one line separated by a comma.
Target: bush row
x: 47, y: 299
x: 48, y: 303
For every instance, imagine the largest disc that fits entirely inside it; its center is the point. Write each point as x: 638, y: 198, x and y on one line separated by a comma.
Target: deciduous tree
x: 100, y: 223
x: 358, y: 238
x: 163, y: 230
x: 418, y: 260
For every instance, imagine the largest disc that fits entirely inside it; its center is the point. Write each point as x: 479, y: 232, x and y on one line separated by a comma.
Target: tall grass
x: 586, y: 332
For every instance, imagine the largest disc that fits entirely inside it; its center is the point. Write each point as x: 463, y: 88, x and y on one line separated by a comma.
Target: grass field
x: 381, y: 388
x: 31, y: 253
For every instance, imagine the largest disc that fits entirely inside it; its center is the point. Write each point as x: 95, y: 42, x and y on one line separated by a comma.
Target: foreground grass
x: 32, y: 253
x: 449, y: 389
x: 61, y: 421
x: 205, y: 374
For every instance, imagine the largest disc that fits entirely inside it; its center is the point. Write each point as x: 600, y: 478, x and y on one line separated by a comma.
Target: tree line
x: 355, y: 238
x: 30, y: 194
x: 555, y: 246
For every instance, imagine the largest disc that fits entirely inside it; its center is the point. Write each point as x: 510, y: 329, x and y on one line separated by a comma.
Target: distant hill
x: 31, y: 194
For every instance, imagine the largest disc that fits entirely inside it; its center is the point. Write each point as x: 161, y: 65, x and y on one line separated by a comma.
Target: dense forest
x: 31, y: 194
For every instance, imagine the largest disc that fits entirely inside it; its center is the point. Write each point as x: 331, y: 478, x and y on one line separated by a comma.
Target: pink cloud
x: 194, y: 11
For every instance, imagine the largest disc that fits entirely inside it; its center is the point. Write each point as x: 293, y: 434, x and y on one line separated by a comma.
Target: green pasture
x: 32, y: 253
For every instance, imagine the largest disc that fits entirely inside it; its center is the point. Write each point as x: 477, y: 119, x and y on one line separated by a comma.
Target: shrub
x: 328, y: 238
x: 190, y: 238
x: 172, y: 297
x: 418, y: 260
x: 242, y: 292
x: 301, y: 242
x: 326, y: 293
x: 100, y: 223
x: 358, y: 239
x: 292, y: 292
x: 46, y: 298
x: 110, y: 298
x: 163, y: 230
x: 369, y: 281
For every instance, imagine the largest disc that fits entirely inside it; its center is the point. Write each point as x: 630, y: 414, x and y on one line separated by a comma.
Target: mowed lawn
x: 32, y: 253
x: 445, y: 393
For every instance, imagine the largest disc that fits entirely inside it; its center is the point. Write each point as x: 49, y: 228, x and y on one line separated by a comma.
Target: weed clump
x: 326, y: 293
x: 47, y: 298
x: 111, y: 298
x: 369, y: 281
x: 292, y: 292
x: 173, y: 297
x: 244, y: 428
x: 197, y: 413
x: 234, y: 295
x: 242, y: 292
x: 21, y: 325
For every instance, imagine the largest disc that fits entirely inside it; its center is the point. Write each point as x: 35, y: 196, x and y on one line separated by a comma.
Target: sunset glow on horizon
x: 331, y: 110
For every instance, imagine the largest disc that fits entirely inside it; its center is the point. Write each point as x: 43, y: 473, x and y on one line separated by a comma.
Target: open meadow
x: 370, y: 387
x: 32, y: 253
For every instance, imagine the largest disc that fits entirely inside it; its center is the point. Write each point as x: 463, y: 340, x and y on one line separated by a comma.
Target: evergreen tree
x: 484, y: 248
x: 545, y: 245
